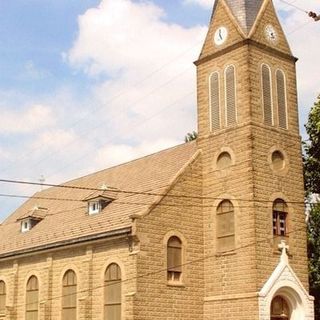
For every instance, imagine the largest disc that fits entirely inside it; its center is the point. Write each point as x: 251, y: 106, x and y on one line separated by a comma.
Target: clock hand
x: 220, y: 35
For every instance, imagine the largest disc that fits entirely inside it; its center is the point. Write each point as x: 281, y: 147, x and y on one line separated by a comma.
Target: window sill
x: 176, y: 284
x: 228, y: 253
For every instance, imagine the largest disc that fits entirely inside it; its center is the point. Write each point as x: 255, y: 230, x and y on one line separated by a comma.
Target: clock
x: 220, y: 36
x: 271, y: 33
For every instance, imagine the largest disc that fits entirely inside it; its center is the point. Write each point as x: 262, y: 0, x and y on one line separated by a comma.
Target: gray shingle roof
x: 63, y: 221
x: 245, y: 11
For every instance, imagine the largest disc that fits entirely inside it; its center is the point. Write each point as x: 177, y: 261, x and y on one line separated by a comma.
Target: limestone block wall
x: 156, y: 299
x: 89, y: 263
x: 230, y: 277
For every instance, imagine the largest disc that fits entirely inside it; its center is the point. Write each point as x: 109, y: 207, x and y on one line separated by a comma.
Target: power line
x: 124, y: 192
x: 294, y: 6
x: 148, y: 274
x: 137, y: 124
x: 120, y: 94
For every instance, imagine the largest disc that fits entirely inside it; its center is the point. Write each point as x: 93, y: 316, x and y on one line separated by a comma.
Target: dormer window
x: 28, y: 224
x: 95, y: 207
x: 25, y: 226
x: 100, y: 199
x: 32, y: 218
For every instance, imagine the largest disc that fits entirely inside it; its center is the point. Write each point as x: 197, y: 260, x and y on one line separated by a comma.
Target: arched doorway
x: 280, y: 309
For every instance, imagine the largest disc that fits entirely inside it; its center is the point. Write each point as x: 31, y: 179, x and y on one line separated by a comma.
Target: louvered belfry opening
x: 69, y: 296
x: 2, y: 297
x: 32, y: 299
x: 231, y: 112
x: 215, y: 101
x: 282, y: 101
x: 267, y: 95
x: 112, y: 293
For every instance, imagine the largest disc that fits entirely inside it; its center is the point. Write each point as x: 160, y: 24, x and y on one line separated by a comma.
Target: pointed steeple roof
x: 245, y: 11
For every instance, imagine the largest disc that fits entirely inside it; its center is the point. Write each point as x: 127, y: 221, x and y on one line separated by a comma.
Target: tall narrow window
x: 69, y: 296
x: 174, y: 259
x: 2, y: 297
x: 231, y: 112
x: 267, y: 95
x: 225, y: 226
x: 282, y: 100
x: 280, y: 215
x: 215, y: 101
x: 32, y: 299
x: 112, y: 293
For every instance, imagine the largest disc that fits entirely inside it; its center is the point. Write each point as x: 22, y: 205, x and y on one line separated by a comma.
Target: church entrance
x: 280, y: 309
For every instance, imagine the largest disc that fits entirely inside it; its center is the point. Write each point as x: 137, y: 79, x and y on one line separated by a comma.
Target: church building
x: 213, y: 229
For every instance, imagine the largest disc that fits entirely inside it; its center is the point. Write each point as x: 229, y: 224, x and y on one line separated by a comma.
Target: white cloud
x: 136, y: 99
x: 113, y: 154
x: 29, y: 120
x: 32, y: 72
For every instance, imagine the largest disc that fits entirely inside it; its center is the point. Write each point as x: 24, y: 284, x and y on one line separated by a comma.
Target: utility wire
x: 148, y: 274
x: 124, y: 192
x: 120, y: 94
x: 294, y: 6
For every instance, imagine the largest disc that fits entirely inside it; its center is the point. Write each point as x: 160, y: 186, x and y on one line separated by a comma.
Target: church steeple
x: 242, y: 20
x: 251, y: 155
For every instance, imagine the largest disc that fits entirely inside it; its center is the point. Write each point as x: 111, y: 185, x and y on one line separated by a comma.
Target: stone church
x: 208, y: 230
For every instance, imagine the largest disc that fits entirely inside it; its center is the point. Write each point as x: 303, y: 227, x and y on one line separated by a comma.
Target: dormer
x: 32, y: 218
x: 100, y: 199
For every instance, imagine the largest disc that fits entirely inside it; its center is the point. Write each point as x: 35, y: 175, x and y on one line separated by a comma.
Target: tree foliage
x: 312, y: 184
x: 314, y: 256
x: 312, y: 151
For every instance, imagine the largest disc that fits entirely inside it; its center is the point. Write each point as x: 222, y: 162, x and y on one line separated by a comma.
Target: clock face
x: 271, y: 33
x: 220, y: 36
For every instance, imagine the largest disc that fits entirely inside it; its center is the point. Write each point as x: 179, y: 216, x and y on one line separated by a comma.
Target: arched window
x: 267, y: 95
x: 279, y: 309
x: 2, y: 297
x: 231, y: 111
x: 224, y: 161
x: 280, y: 215
x: 282, y: 100
x: 225, y: 226
x: 32, y: 299
x: 215, y: 101
x: 112, y: 292
x: 69, y: 296
x: 174, y: 259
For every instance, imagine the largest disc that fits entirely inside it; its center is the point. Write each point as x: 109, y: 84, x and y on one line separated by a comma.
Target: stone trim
x: 236, y: 296
x: 246, y: 42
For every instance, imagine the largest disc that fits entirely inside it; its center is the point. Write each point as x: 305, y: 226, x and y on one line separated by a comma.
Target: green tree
x: 191, y: 136
x: 312, y: 184
x: 314, y: 256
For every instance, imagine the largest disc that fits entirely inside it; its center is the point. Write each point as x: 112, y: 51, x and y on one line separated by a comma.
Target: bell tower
x: 252, y: 165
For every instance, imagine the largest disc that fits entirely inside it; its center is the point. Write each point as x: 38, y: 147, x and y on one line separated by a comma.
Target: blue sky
x: 88, y: 84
